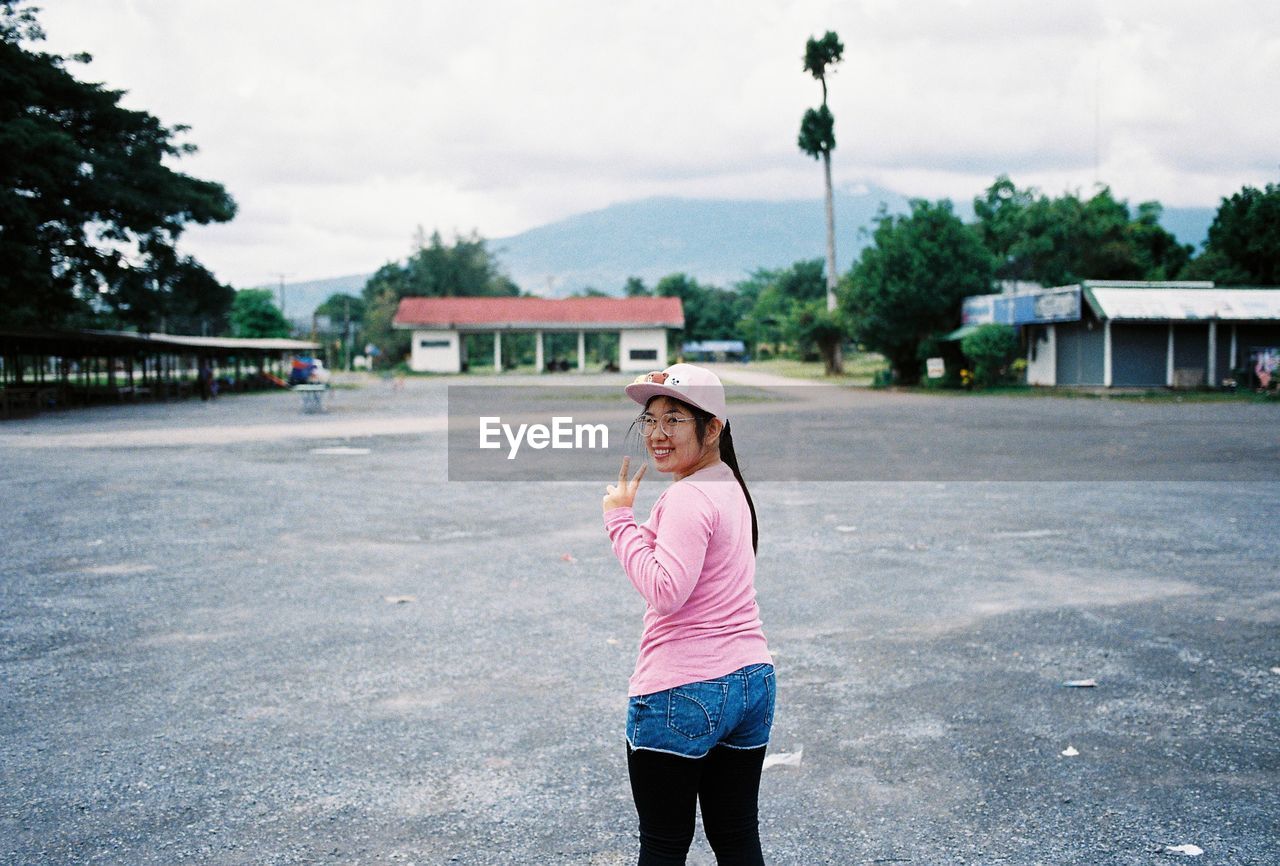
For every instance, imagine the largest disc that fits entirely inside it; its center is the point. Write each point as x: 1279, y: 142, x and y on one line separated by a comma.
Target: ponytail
x: 728, y: 456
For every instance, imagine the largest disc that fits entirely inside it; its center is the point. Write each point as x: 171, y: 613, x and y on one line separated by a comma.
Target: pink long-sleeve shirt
x: 692, y: 562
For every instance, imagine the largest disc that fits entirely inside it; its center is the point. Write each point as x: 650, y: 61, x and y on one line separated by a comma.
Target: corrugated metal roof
x: 1182, y: 304
x: 535, y: 312
x: 265, y: 343
x: 1148, y: 284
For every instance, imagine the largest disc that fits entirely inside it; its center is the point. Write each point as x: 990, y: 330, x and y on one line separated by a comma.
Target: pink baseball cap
x: 696, y: 386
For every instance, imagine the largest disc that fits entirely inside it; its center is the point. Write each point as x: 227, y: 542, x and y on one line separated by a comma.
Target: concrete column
x: 497, y: 351
x: 1106, y: 353
x: 1234, y: 348
x: 537, y: 354
x: 1213, y: 355
x: 582, y: 352
x: 1168, y: 360
x: 1052, y: 348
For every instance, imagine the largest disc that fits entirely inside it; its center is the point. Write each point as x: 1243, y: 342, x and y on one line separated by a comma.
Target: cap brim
x: 643, y: 392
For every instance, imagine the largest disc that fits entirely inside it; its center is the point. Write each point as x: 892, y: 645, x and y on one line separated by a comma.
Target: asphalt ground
x: 234, y: 633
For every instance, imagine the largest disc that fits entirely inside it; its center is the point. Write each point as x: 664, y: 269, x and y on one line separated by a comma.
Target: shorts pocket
x: 770, y: 687
x: 694, y: 710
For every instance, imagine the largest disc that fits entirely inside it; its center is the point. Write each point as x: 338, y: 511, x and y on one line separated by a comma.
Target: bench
x: 312, y: 397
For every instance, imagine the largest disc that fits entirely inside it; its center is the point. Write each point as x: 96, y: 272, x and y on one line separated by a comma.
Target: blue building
x: 1113, y: 333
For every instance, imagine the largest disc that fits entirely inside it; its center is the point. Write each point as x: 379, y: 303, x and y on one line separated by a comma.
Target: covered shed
x: 439, y: 324
x: 1112, y: 333
x: 56, y: 369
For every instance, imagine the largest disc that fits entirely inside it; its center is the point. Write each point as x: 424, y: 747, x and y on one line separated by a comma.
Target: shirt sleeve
x: 665, y: 571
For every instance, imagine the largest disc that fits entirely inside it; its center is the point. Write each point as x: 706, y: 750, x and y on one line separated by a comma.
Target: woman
x: 702, y: 695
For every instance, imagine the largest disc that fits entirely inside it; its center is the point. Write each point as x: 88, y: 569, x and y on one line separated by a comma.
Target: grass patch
x: 859, y: 368
x: 1150, y: 395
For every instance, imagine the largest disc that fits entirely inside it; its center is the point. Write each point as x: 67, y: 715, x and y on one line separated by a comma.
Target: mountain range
x: 714, y: 241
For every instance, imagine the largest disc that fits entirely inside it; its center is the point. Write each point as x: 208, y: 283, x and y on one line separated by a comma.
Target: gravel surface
x: 308, y: 646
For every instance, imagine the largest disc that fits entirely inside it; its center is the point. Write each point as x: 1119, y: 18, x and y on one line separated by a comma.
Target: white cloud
x: 339, y: 128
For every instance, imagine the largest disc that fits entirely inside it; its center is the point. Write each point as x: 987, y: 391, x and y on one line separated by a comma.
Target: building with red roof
x: 440, y: 325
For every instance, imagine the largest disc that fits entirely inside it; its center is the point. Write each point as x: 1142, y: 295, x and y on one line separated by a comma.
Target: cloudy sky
x: 340, y: 127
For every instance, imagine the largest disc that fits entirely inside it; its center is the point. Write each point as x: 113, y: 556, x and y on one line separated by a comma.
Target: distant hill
x: 715, y: 241
x: 301, y: 299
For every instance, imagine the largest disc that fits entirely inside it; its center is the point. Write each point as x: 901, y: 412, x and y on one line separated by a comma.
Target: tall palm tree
x: 818, y: 139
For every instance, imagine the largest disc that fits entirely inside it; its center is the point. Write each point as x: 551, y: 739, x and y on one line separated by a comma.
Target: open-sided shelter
x: 55, y: 369
x: 439, y: 324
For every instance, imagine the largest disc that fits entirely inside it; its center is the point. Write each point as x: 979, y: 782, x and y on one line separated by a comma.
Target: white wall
x: 1042, y: 357
x: 444, y: 358
x: 654, y: 340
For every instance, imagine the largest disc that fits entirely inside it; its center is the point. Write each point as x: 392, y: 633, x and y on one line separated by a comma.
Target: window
x: 433, y: 344
x: 644, y: 354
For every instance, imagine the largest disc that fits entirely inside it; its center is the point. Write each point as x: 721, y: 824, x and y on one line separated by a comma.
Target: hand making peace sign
x: 623, y: 494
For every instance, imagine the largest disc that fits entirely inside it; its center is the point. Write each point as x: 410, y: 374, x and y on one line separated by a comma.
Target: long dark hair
x: 728, y: 455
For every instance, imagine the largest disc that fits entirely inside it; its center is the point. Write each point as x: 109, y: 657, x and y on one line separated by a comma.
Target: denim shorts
x: 690, y: 720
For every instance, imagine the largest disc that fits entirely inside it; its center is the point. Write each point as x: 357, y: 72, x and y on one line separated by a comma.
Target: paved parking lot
x: 234, y: 633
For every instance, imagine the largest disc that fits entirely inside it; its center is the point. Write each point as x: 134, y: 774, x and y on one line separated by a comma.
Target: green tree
x: 817, y: 139
x: 346, y: 317
x: 635, y: 288
x: 170, y: 293
x: 340, y: 307
x: 991, y: 348
x: 1244, y: 240
x: 254, y: 314
x: 1157, y: 251
x: 710, y: 312
x: 379, y: 329
x: 815, y: 330
x: 772, y: 298
x: 435, y: 269
x: 908, y: 285
x: 1067, y: 239
x: 89, y: 210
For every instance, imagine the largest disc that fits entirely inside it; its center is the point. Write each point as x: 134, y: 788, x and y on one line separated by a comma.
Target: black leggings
x: 726, y: 782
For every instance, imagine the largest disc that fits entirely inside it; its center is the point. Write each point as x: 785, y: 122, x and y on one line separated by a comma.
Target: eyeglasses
x: 669, y: 424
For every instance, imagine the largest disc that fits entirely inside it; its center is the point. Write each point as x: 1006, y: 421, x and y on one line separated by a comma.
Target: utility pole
x: 281, y: 277
x: 346, y: 334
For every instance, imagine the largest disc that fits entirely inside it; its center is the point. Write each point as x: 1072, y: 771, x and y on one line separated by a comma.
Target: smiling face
x: 679, y: 451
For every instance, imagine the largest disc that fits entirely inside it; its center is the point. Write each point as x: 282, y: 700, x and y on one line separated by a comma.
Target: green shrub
x: 991, y: 348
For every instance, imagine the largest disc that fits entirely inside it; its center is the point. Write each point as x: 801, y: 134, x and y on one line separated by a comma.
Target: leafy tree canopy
x: 788, y: 305
x: 710, y: 312
x: 89, y: 211
x: 817, y: 132
x: 1244, y: 240
x: 1068, y: 239
x: 820, y: 54
x: 635, y: 288
x: 435, y: 269
x: 910, y: 282
x: 464, y: 268
x: 340, y: 306
x: 254, y: 314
